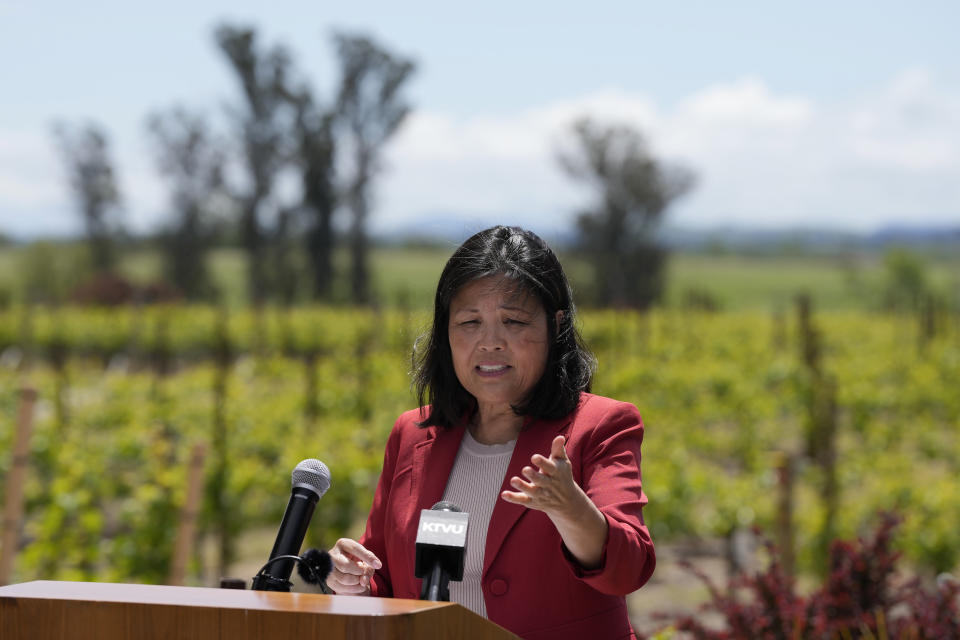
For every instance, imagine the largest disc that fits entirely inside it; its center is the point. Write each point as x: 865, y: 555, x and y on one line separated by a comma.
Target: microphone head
x: 313, y: 475
x: 443, y: 505
x: 314, y: 566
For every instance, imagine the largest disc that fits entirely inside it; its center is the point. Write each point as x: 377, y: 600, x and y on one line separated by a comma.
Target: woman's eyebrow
x: 505, y: 307
x: 511, y: 307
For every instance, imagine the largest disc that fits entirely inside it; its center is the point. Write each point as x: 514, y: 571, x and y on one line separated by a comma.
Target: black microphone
x: 310, y: 480
x: 441, y: 549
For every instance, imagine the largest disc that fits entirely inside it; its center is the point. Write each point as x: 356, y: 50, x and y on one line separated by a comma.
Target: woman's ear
x: 558, y: 318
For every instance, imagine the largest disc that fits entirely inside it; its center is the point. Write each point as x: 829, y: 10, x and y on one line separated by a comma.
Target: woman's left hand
x: 551, y: 488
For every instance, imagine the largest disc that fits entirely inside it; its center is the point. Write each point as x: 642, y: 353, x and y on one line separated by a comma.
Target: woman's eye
x: 469, y: 322
x: 514, y: 321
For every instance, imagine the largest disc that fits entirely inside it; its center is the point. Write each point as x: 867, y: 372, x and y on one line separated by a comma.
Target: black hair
x: 523, y: 258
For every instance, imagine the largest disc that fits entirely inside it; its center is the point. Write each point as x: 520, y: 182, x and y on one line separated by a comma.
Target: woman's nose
x: 491, y: 338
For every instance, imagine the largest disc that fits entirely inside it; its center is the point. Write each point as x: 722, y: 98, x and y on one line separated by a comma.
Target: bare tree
x: 193, y: 161
x: 262, y: 123
x: 285, y: 262
x: 92, y: 180
x: 370, y: 108
x: 633, y: 191
x: 315, y: 153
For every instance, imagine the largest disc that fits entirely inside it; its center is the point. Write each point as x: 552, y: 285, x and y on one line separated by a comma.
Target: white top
x: 474, y: 486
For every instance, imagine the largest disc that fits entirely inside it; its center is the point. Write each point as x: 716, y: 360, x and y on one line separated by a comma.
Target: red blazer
x: 531, y: 585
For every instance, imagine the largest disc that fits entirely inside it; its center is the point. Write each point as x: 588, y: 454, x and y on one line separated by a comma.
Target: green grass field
x: 409, y: 276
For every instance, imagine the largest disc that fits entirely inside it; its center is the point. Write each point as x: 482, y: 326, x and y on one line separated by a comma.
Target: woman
x: 549, y: 473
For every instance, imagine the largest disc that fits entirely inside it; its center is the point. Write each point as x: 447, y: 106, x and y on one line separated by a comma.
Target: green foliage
x: 406, y: 277
x: 721, y: 395
x: 906, y: 279
x: 48, y: 272
x: 718, y: 399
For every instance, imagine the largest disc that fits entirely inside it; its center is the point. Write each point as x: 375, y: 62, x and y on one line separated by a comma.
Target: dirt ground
x: 673, y: 590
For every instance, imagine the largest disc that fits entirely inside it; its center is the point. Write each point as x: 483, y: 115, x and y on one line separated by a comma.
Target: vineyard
x: 859, y: 411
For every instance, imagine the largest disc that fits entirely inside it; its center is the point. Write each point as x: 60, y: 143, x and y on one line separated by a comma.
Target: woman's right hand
x: 353, y: 564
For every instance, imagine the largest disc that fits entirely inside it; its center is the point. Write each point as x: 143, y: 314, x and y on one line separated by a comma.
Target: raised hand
x: 548, y: 486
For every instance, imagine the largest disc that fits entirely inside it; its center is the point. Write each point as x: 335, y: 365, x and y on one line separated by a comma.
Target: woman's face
x: 498, y: 340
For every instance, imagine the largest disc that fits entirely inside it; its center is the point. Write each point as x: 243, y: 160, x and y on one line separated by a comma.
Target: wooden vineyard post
x: 928, y: 320
x: 821, y: 431
x: 642, y: 332
x: 219, y: 477
x: 362, y: 353
x: 779, y: 341
x: 827, y: 458
x: 809, y: 337
x: 784, y: 517
x: 13, y: 500
x: 311, y: 404
x: 187, y: 526
x: 26, y: 339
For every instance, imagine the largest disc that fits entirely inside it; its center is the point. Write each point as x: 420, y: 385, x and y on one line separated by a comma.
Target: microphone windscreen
x: 312, y: 474
x: 314, y: 566
x: 443, y: 505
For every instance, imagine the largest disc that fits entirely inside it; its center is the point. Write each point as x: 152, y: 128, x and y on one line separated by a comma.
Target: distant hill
x: 920, y: 236
x: 737, y: 239
x: 449, y: 229
x: 452, y: 229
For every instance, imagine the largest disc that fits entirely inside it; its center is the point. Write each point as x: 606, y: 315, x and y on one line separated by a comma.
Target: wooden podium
x: 47, y: 610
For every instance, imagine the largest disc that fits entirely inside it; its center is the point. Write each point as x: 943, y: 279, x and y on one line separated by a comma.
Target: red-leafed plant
x: 859, y: 600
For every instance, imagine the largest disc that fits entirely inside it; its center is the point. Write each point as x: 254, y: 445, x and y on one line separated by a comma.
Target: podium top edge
x: 217, y: 598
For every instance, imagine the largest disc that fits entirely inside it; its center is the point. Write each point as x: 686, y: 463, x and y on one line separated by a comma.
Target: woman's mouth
x: 491, y: 370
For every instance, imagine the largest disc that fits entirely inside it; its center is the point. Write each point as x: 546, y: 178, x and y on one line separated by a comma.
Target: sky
x: 837, y: 115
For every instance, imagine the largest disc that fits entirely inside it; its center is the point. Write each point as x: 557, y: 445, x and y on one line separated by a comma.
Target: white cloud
x: 34, y: 193
x: 494, y: 166
x: 887, y: 155
x: 744, y: 103
x: 28, y: 171
x: 762, y: 158
x: 911, y: 125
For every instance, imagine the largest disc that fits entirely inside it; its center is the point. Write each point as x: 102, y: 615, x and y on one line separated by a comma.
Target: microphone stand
x: 436, y: 587
x: 267, y: 582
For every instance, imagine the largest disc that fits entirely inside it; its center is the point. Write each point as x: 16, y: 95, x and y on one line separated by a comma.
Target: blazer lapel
x: 432, y: 462
x: 535, y: 438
